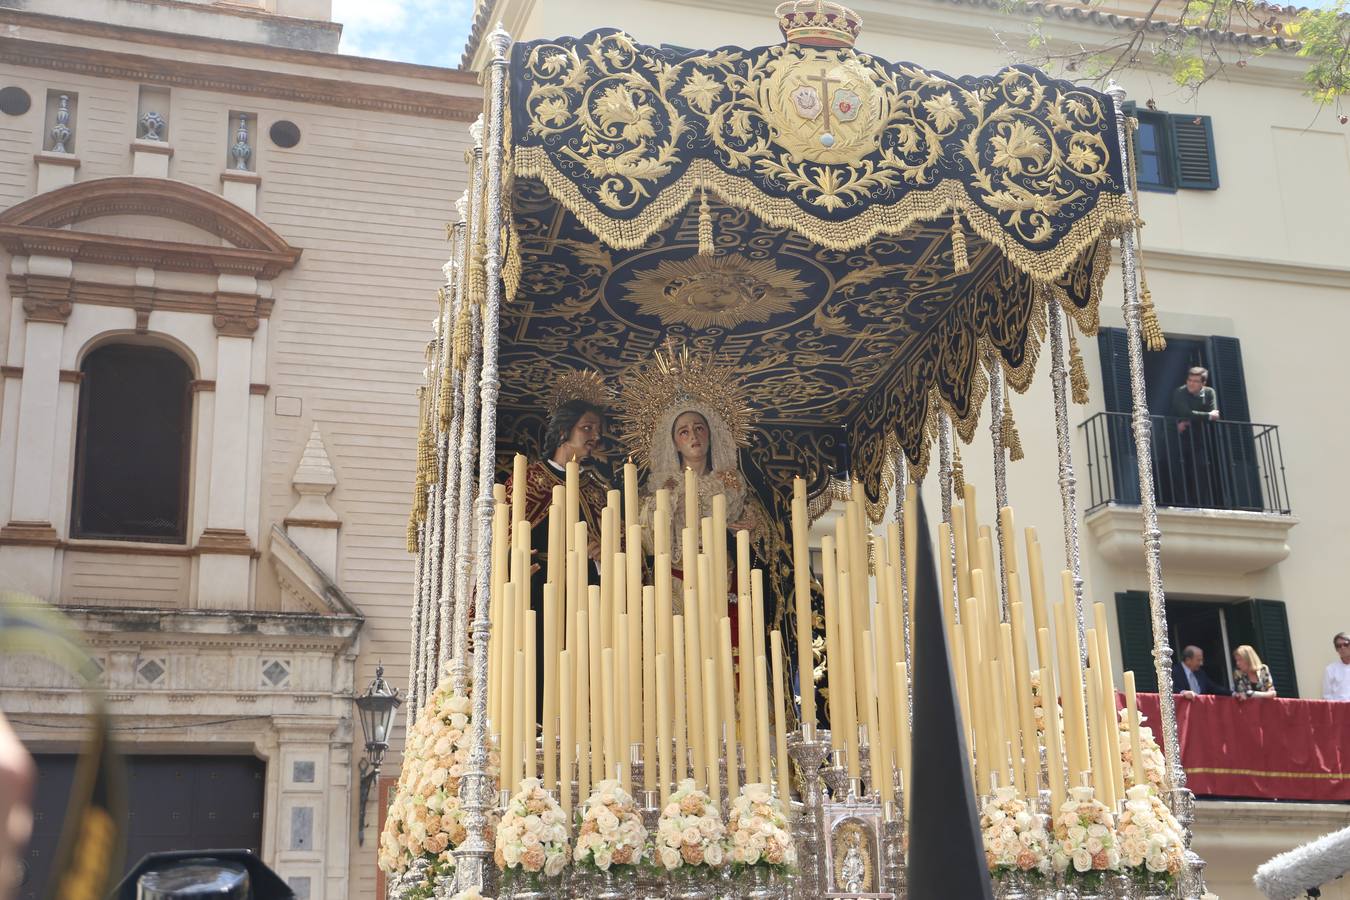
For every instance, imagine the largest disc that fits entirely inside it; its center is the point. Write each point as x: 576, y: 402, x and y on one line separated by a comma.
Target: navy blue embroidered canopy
x: 859, y: 239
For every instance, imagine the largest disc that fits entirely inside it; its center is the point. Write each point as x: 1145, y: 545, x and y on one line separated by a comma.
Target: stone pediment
x: 305, y: 587
x: 225, y: 239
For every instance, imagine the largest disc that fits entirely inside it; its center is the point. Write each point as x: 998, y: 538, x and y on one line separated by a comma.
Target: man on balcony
x: 1195, y: 406
x: 1189, y: 680
x: 1336, y: 681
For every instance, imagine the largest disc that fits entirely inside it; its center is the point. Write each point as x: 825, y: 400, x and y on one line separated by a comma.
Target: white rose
x: 1082, y: 860
x: 713, y: 855
x: 670, y: 858
x: 554, y: 864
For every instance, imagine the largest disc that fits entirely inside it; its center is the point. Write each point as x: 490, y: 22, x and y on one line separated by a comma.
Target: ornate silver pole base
x: 1192, y: 879
x: 893, y: 847
x: 808, y: 748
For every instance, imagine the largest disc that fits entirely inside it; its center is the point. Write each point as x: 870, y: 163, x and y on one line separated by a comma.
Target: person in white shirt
x: 1336, y: 681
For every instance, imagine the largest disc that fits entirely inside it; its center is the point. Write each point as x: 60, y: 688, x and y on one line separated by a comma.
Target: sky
x: 431, y: 32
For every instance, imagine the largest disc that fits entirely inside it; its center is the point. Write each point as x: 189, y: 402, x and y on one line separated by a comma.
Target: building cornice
x: 1245, y: 267
x: 169, y: 256
x: 236, y: 80
x: 315, y: 58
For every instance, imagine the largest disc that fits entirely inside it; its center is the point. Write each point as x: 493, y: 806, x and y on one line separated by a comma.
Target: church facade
x: 224, y: 238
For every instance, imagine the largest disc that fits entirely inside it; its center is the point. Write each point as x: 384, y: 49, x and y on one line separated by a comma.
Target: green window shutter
x: 1193, y: 150
x: 1135, y: 627
x: 1113, y: 349
x: 1277, y: 651
x: 1228, y: 378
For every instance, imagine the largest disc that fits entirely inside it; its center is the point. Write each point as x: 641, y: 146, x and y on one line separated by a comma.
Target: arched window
x: 131, y: 453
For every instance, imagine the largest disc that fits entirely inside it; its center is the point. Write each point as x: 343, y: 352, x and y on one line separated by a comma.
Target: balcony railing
x: 1209, y: 465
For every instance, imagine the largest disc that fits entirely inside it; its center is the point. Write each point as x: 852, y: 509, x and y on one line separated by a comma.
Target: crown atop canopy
x: 579, y: 384
x: 675, y: 381
x: 818, y: 23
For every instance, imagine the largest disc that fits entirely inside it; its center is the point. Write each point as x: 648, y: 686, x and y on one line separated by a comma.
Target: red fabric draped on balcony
x: 1264, y: 749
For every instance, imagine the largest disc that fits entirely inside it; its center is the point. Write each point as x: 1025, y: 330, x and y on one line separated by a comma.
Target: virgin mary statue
x: 680, y: 412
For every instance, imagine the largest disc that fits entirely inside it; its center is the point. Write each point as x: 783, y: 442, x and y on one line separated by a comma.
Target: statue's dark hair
x: 563, y: 420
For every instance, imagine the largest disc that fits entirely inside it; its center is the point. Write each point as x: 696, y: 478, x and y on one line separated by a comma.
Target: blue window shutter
x: 1193, y: 151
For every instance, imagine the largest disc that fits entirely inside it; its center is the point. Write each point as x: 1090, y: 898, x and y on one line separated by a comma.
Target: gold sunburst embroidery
x: 716, y: 291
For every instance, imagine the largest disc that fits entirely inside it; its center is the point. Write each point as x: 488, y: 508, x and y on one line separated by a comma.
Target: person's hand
x: 1214, y: 415
x: 17, y: 776
x: 1241, y: 696
x: 1188, y: 694
x: 1183, y: 425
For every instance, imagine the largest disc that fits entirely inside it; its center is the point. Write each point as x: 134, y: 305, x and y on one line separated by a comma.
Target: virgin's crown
x: 818, y: 23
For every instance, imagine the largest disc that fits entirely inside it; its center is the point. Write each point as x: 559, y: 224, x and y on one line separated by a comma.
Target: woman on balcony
x: 1251, y: 678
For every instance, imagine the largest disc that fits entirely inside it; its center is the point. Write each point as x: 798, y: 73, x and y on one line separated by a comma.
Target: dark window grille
x: 131, y: 456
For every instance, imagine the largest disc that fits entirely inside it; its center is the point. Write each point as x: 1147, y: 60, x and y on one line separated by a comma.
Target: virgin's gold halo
x: 676, y: 377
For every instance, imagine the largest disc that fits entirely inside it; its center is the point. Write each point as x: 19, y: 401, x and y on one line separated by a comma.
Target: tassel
x: 958, y: 472
x: 1153, y: 333
x: 1078, y: 380
x: 959, y: 258
x: 1011, y: 439
x: 459, y: 341
x: 705, y: 224
x: 412, y: 533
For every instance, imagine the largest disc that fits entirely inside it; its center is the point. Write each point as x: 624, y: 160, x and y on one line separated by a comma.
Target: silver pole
x: 1068, y: 483
x: 436, y: 517
x: 1181, y: 799
x: 1000, y: 475
x: 469, y: 436
x: 415, y: 627
x: 473, y: 854
x: 453, y: 284
x: 945, y: 489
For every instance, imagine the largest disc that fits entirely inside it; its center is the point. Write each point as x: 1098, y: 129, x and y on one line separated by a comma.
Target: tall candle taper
x: 717, y: 553
x: 582, y: 664
x: 681, y: 707
x: 596, y: 660
x: 728, y: 702
x: 518, y: 489
x: 757, y: 632
x: 691, y: 512
x: 518, y: 769
x: 649, y: 705
x: 710, y: 730
x: 830, y: 583
x: 631, y: 503
x: 761, y: 671
x: 1053, y: 754
x: 607, y: 721
x: 841, y: 669
x: 693, y: 673
x: 962, y: 553
x: 663, y: 704
x: 801, y: 583
x: 572, y: 483
x: 876, y: 739
x: 530, y: 706
x: 1136, y: 740
x: 567, y: 735
x: 508, y: 685
x: 903, y: 753
x: 780, y: 713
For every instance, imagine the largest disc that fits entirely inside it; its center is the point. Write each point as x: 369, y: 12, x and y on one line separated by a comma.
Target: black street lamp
x: 376, y: 707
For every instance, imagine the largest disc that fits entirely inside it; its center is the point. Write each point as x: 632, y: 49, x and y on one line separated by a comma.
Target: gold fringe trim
x: 1154, y: 340
x: 1110, y: 214
x: 1011, y: 439
x: 1078, y: 380
x: 413, y: 543
x: 705, y: 224
x: 960, y: 259
x: 958, y: 473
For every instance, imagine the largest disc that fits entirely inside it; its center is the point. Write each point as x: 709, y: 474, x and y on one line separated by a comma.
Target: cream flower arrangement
x: 425, y: 817
x: 470, y: 894
x: 611, y: 833
x: 1086, y: 844
x: 1155, y: 764
x: 1014, y: 838
x: 690, y: 831
x: 757, y: 829
x: 1151, y: 844
x: 532, y: 835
